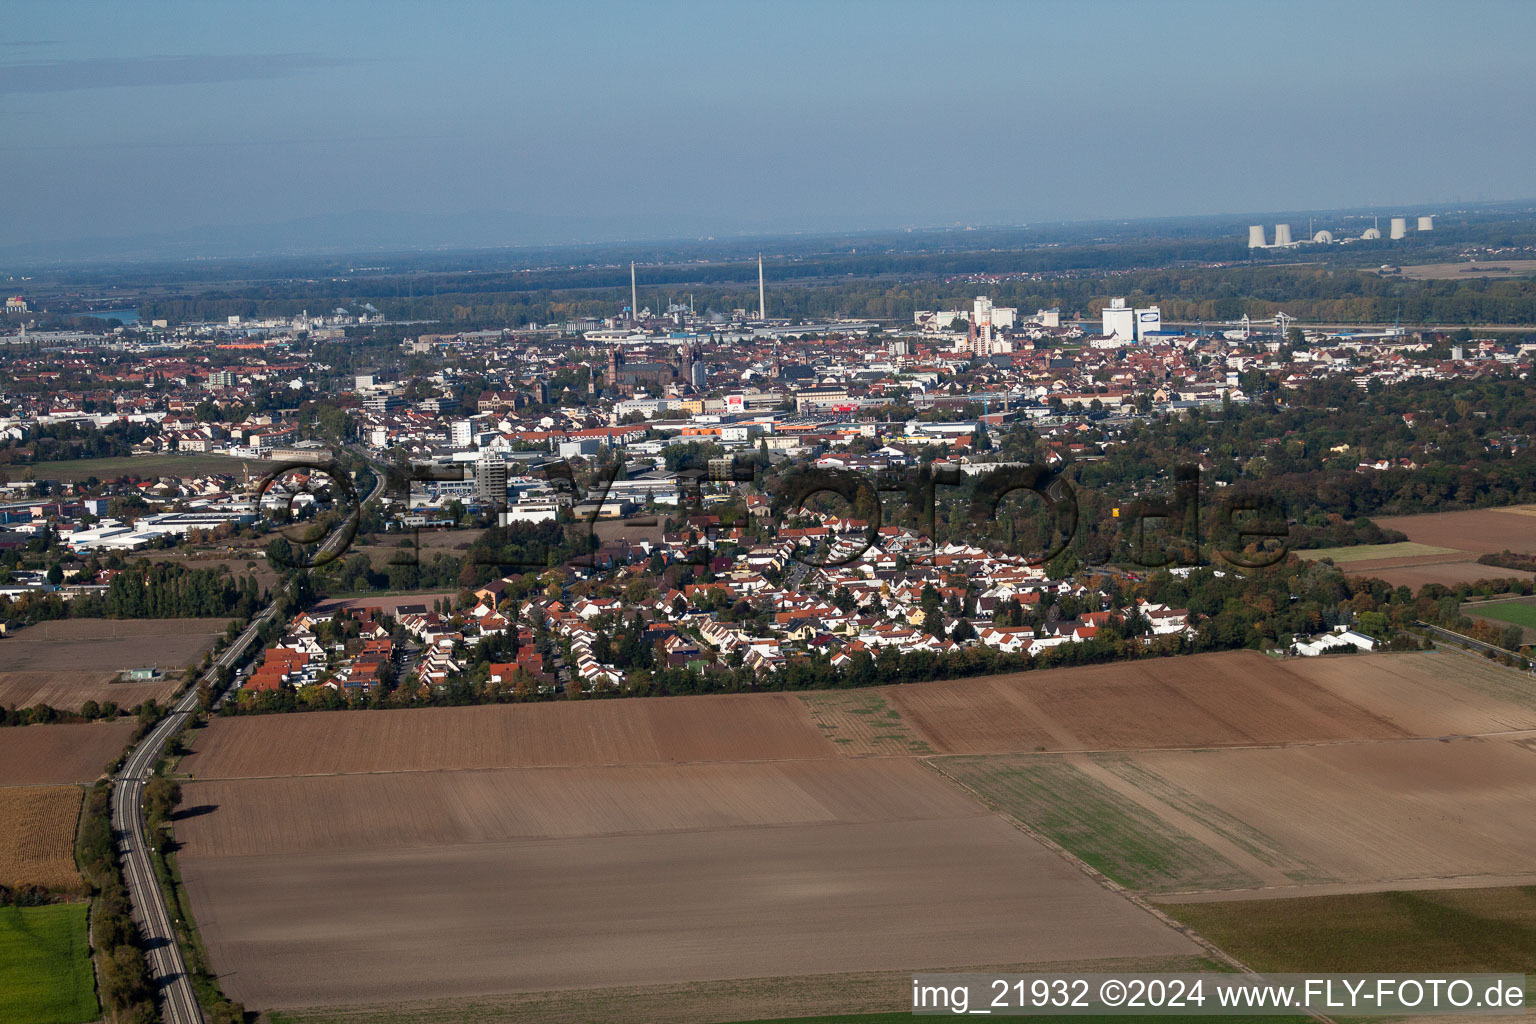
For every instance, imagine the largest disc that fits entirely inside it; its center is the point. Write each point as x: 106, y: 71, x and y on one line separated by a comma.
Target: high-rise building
x: 491, y: 480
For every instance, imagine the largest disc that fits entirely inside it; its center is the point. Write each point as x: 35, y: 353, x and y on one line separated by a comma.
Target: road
x: 167, y: 967
x: 1466, y: 641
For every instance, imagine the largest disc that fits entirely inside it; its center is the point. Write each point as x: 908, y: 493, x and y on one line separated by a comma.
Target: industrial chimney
x: 1399, y: 227
x: 634, y: 295
x: 1282, y: 234
x: 1256, y: 236
x: 1427, y: 223
x: 762, y: 294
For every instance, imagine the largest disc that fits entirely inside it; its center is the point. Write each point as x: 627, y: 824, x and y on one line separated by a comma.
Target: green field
x: 1519, y: 613
x: 138, y: 465
x: 45, y: 966
x: 1108, y: 831
x: 1364, y: 552
x: 1472, y: 930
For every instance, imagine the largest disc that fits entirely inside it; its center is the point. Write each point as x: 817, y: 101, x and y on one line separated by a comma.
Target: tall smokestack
x: 634, y: 296
x: 762, y: 294
x: 1256, y: 236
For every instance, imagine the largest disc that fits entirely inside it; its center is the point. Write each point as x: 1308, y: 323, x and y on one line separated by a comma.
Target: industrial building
x: 1129, y: 325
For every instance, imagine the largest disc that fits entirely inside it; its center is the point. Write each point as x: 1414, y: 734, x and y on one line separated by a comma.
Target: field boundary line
x: 1498, y: 734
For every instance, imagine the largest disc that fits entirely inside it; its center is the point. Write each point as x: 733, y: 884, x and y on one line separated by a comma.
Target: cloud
x: 35, y: 76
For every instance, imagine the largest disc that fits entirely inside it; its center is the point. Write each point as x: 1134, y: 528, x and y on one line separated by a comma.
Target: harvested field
x: 1466, y: 271
x: 1430, y: 693
x: 862, y: 722
x: 652, y: 731
x: 107, y: 645
x: 67, y: 690
x: 1234, y: 698
x: 387, y: 602
x: 1442, y: 547
x: 730, y: 870
x: 1431, y: 809
x: 148, y: 467
x: 1447, y: 574
x: 339, y: 813
x: 816, y: 999
x: 54, y: 755
x: 37, y: 835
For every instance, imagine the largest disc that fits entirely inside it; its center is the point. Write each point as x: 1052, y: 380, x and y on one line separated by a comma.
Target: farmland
x: 593, y: 842
x: 1519, y: 613
x: 45, y: 968
x: 1492, y: 929
x: 1462, y: 271
x: 55, y: 755
x: 142, y: 466
x: 531, y: 848
x: 1376, y: 552
x: 565, y: 733
x: 107, y: 645
x: 1442, y: 547
x: 37, y: 836
x: 67, y: 690
x: 1204, y: 700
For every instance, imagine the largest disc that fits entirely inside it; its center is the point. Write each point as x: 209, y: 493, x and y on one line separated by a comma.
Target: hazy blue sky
x: 130, y: 118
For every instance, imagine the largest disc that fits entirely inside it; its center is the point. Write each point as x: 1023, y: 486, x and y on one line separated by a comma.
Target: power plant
x: 1283, y: 240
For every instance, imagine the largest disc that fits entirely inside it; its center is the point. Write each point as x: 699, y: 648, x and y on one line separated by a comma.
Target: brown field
x: 310, y: 890
x: 37, y: 835
x: 1447, y: 574
x: 387, y: 602
x: 106, y: 645
x: 599, y: 847
x: 1431, y: 694
x: 1469, y: 271
x: 634, y: 530
x: 1374, y: 815
x: 67, y: 690
x: 1466, y: 533
x: 1445, y: 800
x: 661, y: 730
x: 53, y: 755
x: 1234, y: 698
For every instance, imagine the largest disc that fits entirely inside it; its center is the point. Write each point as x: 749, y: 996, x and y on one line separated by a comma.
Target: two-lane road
x: 167, y: 967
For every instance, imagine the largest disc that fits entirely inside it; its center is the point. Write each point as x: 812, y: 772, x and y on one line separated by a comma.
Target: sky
x: 600, y: 121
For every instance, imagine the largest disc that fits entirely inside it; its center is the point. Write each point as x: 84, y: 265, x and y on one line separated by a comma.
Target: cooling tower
x: 1427, y: 223
x: 1399, y: 227
x: 1256, y: 237
x: 1282, y: 234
